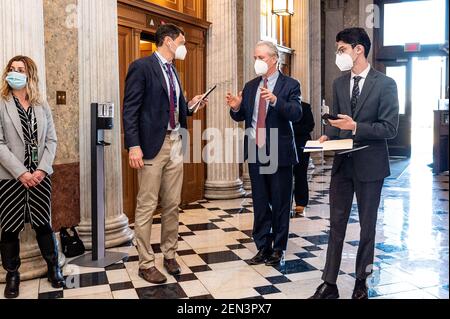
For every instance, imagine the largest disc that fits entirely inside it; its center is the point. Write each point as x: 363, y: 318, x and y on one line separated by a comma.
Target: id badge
x: 34, y: 154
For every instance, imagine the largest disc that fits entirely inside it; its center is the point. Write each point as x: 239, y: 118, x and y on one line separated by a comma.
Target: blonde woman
x: 27, y: 151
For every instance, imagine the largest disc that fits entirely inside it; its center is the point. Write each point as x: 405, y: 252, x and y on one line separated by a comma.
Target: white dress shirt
x: 163, y: 62
x: 363, y: 76
x: 271, y: 82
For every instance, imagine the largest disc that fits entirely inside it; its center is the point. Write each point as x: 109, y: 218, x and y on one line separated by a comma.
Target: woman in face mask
x: 27, y: 151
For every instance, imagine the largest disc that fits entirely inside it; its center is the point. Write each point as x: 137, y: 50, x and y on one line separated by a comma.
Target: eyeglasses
x: 342, y: 49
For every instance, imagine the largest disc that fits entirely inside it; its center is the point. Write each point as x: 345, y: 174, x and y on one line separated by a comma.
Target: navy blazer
x: 377, y: 118
x: 146, y: 106
x: 287, y: 110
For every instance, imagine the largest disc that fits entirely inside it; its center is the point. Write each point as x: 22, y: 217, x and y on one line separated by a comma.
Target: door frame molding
x: 158, y: 10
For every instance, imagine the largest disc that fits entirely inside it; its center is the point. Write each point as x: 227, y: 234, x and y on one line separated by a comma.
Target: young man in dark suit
x: 268, y: 105
x: 366, y: 102
x: 154, y: 113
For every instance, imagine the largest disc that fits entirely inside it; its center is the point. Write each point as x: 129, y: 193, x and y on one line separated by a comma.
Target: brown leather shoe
x: 152, y: 275
x: 172, y: 266
x: 300, y: 211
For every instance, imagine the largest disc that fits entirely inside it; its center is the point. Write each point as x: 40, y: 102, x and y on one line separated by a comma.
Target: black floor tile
x: 219, y: 257
x: 51, y: 295
x: 169, y: 291
x: 156, y: 248
x: 199, y: 227
x: 267, y: 290
x: 189, y: 233
x: 294, y: 266
x: 235, y: 211
x: 245, y: 240
x: 192, y: 206
x: 237, y: 246
x: 186, y: 252
x: 305, y: 255
x: 230, y: 229
x: 91, y: 279
x: 132, y: 259
x: 353, y: 243
x: 203, y: 297
x: 185, y: 277
x: 248, y: 232
x: 116, y: 266
x: 121, y: 286
x: 201, y: 268
x: 317, y: 240
x: 278, y: 280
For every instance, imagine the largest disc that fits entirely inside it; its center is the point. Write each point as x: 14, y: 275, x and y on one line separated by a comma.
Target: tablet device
x: 194, y: 108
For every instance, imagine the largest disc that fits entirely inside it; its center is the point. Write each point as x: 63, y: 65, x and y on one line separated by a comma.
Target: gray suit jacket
x: 12, y: 145
x: 376, y: 115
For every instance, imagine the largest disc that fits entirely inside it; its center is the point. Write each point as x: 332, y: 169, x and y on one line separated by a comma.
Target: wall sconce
x: 283, y: 7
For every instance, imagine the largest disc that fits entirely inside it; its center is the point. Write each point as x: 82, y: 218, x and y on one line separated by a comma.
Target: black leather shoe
x: 275, y: 258
x: 261, y: 257
x: 326, y: 291
x: 361, y: 291
x: 12, y: 285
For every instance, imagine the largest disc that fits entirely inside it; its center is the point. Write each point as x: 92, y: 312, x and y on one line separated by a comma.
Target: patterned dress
x: 19, y: 205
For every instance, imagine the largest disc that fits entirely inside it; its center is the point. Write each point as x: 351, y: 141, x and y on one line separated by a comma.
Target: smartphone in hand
x: 328, y: 116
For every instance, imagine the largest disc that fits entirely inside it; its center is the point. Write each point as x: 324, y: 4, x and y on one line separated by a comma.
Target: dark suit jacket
x: 376, y: 115
x: 146, y: 106
x: 288, y: 109
x: 304, y: 127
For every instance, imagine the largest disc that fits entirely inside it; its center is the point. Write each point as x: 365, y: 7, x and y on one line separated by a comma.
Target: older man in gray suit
x: 366, y: 103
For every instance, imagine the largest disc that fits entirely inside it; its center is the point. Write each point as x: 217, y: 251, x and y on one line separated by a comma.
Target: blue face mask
x: 16, y: 80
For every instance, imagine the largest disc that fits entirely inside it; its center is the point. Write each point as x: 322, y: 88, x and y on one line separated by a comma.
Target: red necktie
x: 261, y: 123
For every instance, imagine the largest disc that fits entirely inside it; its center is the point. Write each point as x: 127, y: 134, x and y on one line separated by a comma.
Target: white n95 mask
x: 181, y: 52
x: 261, y: 67
x: 344, y: 62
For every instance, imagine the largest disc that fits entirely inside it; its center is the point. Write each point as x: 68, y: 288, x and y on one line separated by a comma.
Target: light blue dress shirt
x: 271, y: 82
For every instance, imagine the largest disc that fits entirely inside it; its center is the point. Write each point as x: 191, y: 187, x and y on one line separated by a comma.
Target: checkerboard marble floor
x: 215, y: 243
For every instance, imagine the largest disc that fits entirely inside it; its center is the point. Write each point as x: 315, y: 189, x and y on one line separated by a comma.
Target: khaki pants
x: 162, y: 176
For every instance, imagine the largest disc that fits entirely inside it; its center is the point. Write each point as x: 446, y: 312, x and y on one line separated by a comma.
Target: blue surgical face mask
x: 16, y: 80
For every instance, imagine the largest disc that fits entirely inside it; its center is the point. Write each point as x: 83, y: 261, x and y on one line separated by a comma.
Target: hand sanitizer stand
x: 102, y: 116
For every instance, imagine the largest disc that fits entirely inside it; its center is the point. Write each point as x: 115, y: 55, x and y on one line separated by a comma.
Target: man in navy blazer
x: 268, y: 105
x: 154, y: 114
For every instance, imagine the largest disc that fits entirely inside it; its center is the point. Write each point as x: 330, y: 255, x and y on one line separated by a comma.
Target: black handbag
x: 71, y: 244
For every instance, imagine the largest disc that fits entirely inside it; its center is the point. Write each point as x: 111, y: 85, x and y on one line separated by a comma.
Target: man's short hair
x: 354, y: 37
x: 273, y: 49
x: 167, y: 30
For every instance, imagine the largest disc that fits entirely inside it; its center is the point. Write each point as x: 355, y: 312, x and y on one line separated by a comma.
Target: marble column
x: 99, y: 82
x: 223, y: 180
x: 315, y: 62
x: 23, y: 34
x: 334, y: 22
x: 252, y: 35
x: 300, y: 43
